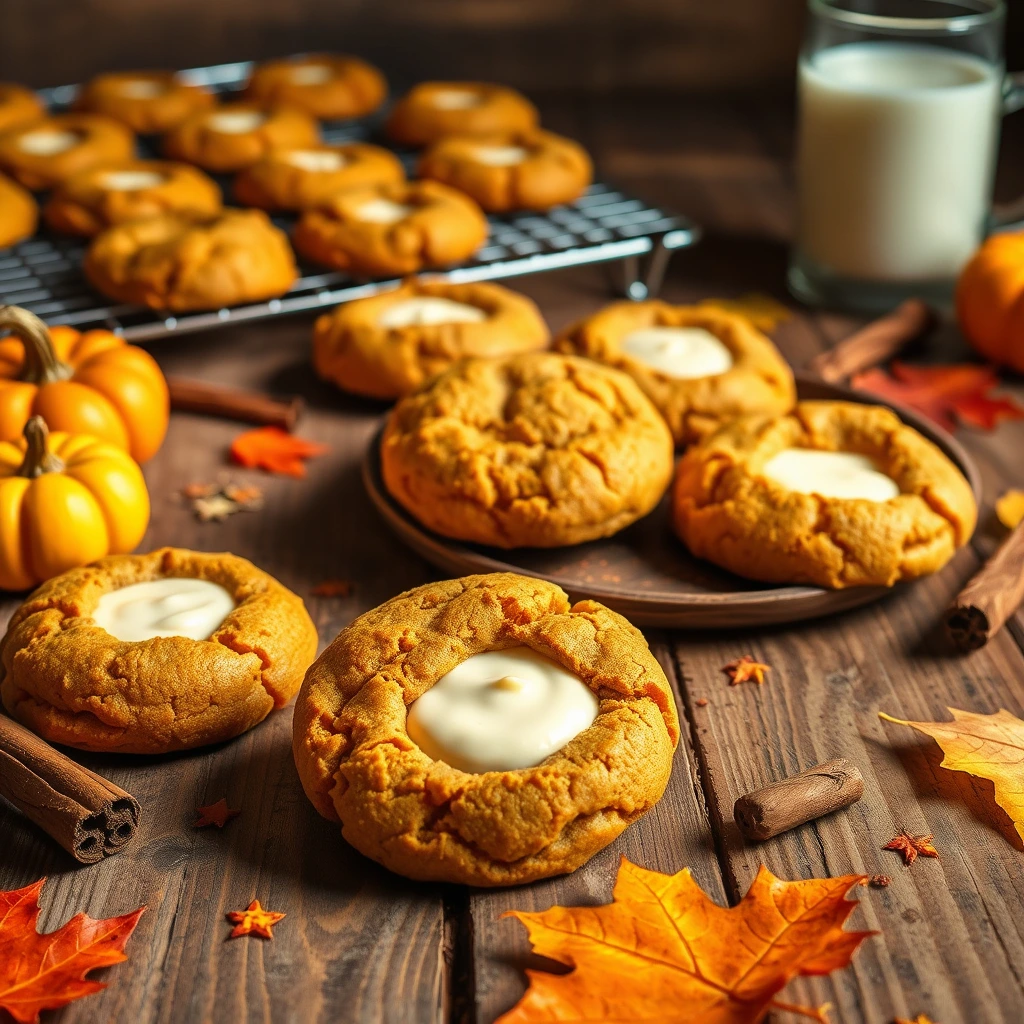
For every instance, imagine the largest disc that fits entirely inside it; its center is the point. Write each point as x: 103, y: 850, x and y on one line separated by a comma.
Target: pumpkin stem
x: 38, y: 459
x: 41, y: 365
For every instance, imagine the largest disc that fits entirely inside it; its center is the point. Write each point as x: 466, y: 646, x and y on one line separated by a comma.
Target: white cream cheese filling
x: 317, y: 160
x: 684, y: 353
x: 130, y: 181
x: 501, y: 710
x: 172, y: 606
x: 830, y: 474
x: 48, y: 142
x: 427, y: 310
x: 382, y: 211
x: 500, y: 156
x: 236, y: 122
x: 456, y: 99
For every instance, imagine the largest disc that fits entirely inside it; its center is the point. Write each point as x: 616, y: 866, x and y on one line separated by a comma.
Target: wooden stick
x: 876, y: 343
x: 89, y: 816
x: 993, y: 594
x: 784, y: 805
x: 232, y: 403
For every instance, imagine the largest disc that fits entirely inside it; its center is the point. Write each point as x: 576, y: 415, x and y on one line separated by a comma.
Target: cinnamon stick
x: 89, y: 816
x: 876, y: 343
x: 993, y: 594
x: 232, y: 403
x: 800, y: 798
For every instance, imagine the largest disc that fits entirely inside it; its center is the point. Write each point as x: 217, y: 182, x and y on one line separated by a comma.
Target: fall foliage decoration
x: 746, y: 670
x: 662, y: 950
x: 274, y: 450
x: 44, y: 972
x: 945, y: 394
x: 988, y: 746
x: 879, y: 881
x: 213, y: 503
x: 331, y: 588
x: 911, y: 846
x: 254, y: 920
x: 218, y: 814
x: 1010, y: 509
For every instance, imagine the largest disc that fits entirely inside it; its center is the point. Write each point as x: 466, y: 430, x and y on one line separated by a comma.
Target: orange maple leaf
x: 945, y: 394
x: 662, y: 950
x: 254, y: 920
x: 910, y: 846
x: 44, y: 972
x: 218, y: 814
x: 274, y: 450
x: 746, y: 670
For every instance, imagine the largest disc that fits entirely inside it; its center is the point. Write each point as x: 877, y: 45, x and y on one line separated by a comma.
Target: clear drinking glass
x: 899, y: 119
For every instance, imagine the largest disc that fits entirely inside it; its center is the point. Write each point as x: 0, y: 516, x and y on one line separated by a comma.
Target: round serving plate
x: 645, y: 572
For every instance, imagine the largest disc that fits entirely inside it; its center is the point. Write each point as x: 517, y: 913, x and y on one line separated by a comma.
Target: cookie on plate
x: 296, y: 179
x: 559, y: 721
x: 836, y: 494
x: 19, y: 106
x: 326, y: 85
x: 145, y: 654
x: 92, y: 200
x: 234, y: 136
x: 186, y: 261
x: 532, y: 170
x: 699, y: 365
x: 45, y: 153
x: 534, y: 450
x: 393, y: 228
x: 18, y: 213
x: 431, y: 110
x: 146, y: 101
x: 389, y: 345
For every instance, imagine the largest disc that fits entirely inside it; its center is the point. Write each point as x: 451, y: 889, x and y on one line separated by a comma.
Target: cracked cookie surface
x: 726, y: 511
x: 426, y: 820
x: 72, y: 682
x: 534, y: 450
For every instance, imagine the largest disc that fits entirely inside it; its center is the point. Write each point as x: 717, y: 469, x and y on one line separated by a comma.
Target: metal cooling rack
x: 44, y: 273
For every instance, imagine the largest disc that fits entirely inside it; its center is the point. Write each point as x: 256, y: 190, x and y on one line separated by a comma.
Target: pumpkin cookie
x: 146, y: 101
x: 233, y: 136
x: 532, y: 170
x: 557, y: 803
x: 200, y: 649
x: 534, y: 450
x: 186, y: 261
x: 296, y: 179
x: 18, y: 106
x: 836, y: 494
x: 431, y: 110
x: 392, y: 228
x: 18, y: 213
x: 700, y: 366
x: 114, y: 193
x: 389, y: 345
x: 325, y: 85
x: 45, y: 153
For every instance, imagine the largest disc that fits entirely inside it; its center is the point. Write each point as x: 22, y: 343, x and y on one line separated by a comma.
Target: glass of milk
x: 900, y: 110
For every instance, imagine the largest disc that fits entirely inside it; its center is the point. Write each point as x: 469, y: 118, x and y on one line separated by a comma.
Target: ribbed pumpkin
x: 990, y: 300
x: 82, y: 383
x: 65, y: 500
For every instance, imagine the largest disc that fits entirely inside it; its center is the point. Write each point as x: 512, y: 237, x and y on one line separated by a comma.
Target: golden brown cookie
x: 534, y: 450
x: 114, y: 193
x: 233, y: 136
x: 146, y: 101
x: 532, y: 170
x: 186, y: 261
x: 19, y: 106
x: 394, y: 228
x: 72, y: 682
x: 700, y: 366
x: 431, y: 110
x: 296, y: 179
x: 426, y: 820
x: 736, y: 507
x: 18, y: 213
x: 328, y: 86
x: 45, y: 153
x: 388, y: 345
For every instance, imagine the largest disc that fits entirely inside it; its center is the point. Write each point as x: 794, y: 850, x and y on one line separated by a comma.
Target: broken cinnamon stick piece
x: 993, y: 594
x: 89, y: 816
x: 801, y: 798
x: 876, y: 343
x: 232, y: 403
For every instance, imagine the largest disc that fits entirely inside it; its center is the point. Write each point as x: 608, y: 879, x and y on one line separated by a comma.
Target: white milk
x: 896, y: 159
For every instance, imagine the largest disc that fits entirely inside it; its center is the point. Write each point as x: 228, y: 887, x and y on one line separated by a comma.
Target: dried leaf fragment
x: 254, y: 920
x: 911, y: 846
x: 218, y: 814
x: 274, y: 450
x: 879, y: 881
x: 213, y: 503
x: 1010, y: 509
x: 331, y: 588
x: 746, y: 670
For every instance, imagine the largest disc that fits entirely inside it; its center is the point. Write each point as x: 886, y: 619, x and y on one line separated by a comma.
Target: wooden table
x: 362, y: 945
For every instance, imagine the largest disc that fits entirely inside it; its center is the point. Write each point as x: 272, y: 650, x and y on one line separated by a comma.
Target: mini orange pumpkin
x: 990, y: 300
x: 91, y: 383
